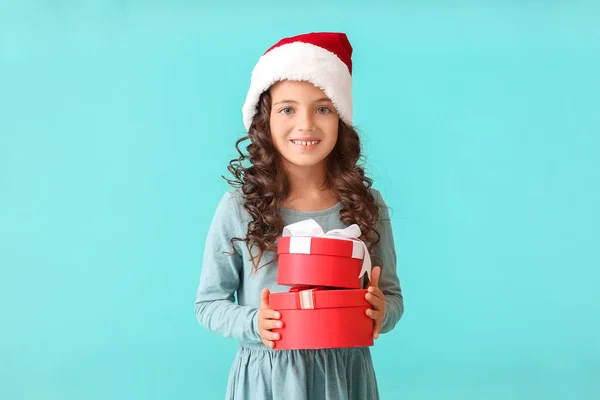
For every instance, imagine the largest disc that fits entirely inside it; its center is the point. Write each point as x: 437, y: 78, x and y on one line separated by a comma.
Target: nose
x: 306, y: 122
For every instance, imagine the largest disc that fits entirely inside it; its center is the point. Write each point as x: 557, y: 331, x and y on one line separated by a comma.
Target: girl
x: 301, y: 163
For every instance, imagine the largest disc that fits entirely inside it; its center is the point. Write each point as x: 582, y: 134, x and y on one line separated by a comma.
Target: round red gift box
x: 314, y: 319
x: 319, y: 262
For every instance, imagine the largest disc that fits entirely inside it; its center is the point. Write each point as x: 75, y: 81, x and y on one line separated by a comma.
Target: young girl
x: 301, y: 164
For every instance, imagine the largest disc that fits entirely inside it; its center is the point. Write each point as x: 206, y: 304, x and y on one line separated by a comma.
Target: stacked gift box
x: 325, y: 306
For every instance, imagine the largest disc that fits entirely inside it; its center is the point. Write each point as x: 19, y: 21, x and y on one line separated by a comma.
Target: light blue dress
x: 259, y: 372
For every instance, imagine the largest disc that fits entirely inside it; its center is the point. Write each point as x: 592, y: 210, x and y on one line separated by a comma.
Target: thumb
x: 264, y: 298
x: 375, y: 274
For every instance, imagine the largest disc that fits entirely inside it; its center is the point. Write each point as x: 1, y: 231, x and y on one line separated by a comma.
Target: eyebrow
x: 295, y: 102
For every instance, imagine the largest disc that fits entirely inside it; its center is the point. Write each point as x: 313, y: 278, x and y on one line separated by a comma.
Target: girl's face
x: 304, y: 123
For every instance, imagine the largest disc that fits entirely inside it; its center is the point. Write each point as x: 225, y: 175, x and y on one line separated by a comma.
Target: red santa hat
x: 322, y: 58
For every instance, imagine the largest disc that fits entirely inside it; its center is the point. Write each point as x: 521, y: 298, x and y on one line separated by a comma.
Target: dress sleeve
x: 384, y: 256
x: 220, y: 278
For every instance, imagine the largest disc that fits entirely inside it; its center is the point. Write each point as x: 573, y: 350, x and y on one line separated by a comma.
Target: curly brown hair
x: 265, y: 189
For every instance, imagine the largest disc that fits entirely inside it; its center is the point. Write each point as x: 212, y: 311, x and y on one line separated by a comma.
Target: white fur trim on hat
x: 300, y: 61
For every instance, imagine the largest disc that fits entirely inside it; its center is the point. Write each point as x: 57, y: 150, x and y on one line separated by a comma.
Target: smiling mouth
x: 305, y: 143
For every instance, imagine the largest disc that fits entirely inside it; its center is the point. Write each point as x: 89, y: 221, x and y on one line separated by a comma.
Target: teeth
x: 305, y: 143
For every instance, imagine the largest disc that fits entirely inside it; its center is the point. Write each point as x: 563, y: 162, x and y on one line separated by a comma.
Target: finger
x: 374, y: 314
x: 377, y: 329
x: 268, y: 343
x: 268, y: 335
x: 264, y: 298
x: 376, y: 297
x: 377, y: 302
x: 269, y: 324
x: 376, y: 292
x: 267, y: 313
x: 375, y: 274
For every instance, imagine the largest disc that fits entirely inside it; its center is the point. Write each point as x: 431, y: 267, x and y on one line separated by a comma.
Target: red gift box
x: 320, y: 262
x: 314, y: 319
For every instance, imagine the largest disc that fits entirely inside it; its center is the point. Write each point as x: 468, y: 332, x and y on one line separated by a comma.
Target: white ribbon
x: 310, y: 228
x: 307, y: 299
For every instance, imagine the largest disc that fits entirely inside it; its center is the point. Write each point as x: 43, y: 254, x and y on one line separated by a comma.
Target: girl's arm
x: 220, y: 279
x: 385, y: 256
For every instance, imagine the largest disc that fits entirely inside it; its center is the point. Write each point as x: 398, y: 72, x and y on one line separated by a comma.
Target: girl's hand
x: 267, y: 320
x: 377, y: 299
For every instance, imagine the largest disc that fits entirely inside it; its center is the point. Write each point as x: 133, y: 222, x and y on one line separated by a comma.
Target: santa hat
x: 322, y: 58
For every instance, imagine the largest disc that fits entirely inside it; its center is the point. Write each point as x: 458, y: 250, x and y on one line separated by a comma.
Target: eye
x: 323, y: 110
x: 286, y: 111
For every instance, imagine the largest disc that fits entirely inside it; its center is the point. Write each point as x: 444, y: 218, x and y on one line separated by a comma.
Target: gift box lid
x: 317, y: 298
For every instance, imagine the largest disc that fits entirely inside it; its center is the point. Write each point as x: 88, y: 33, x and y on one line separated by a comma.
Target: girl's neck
x: 307, y: 189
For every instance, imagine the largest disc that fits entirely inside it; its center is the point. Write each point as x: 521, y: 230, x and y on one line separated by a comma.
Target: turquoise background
x: 481, y: 125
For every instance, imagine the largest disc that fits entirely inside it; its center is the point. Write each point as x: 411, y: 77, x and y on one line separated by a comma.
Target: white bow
x: 310, y: 228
